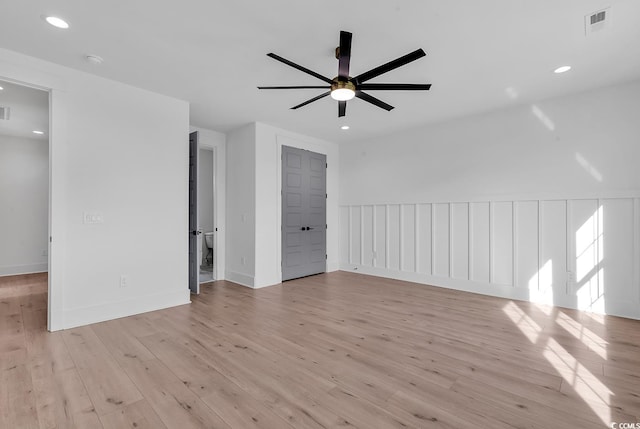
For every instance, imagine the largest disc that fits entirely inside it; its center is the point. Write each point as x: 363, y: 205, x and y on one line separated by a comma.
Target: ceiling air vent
x: 4, y: 113
x: 597, y: 21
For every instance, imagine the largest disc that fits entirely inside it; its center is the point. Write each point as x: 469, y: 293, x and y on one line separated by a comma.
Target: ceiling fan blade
x: 311, y: 100
x: 394, y: 87
x: 373, y: 100
x: 392, y: 65
x: 294, y: 87
x: 342, y: 108
x: 299, y: 67
x: 345, y: 55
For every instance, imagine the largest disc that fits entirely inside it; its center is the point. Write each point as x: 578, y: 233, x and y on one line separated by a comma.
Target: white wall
x: 216, y: 142
x: 254, y: 191
x: 101, y: 134
x: 24, y: 205
x: 539, y: 202
x: 241, y: 205
x: 269, y: 142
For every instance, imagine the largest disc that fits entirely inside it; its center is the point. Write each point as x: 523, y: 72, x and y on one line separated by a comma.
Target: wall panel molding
x: 576, y: 253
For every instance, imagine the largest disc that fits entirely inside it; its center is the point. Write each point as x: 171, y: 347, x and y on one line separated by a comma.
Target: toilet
x: 208, y: 241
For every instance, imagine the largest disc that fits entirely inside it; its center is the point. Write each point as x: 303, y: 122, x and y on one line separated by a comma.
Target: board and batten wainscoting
x: 575, y: 253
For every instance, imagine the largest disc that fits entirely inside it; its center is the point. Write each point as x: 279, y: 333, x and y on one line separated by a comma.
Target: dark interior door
x: 304, y: 208
x: 194, y: 283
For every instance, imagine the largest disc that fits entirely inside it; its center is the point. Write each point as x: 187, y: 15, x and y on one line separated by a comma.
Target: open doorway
x: 24, y: 191
x: 206, y: 214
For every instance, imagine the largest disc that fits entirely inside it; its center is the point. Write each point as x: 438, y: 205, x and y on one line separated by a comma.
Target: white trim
x: 23, y: 269
x: 626, y: 308
x: 401, y: 237
x: 55, y: 86
x: 362, y: 235
x: 416, y: 242
x: 636, y: 246
x: 240, y: 278
x: 114, y: 310
x: 546, y: 196
x: 629, y: 307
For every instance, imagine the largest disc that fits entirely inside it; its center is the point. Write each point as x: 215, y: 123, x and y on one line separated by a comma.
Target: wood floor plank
x: 109, y: 388
x: 17, y: 399
x: 241, y: 410
x: 121, y: 343
x: 329, y: 351
x: 60, y: 397
x: 171, y: 400
x: 139, y: 415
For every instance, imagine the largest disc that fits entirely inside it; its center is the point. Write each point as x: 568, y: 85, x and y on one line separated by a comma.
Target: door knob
x: 196, y: 232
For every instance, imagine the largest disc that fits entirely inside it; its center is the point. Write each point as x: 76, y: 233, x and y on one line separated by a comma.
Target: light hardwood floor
x: 334, y: 350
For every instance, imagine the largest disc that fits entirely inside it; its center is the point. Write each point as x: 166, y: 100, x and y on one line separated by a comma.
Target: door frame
x: 56, y: 214
x: 214, y: 159
x: 217, y: 221
x: 284, y: 140
x: 193, y: 229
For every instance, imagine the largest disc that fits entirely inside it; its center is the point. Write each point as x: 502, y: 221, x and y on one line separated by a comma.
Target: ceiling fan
x: 344, y: 87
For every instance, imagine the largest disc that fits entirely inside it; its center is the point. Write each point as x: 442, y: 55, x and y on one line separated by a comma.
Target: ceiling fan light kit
x: 344, y: 87
x: 342, y: 90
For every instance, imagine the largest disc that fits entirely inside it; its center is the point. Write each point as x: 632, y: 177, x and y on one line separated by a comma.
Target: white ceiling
x: 29, y: 111
x: 481, y: 55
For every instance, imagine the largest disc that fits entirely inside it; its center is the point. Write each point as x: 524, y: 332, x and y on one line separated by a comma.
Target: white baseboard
x: 333, y: 266
x: 115, y: 310
x: 241, y: 279
x: 14, y: 270
x: 617, y: 308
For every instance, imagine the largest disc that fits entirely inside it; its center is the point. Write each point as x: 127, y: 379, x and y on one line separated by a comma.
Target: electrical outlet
x: 124, y: 280
x: 242, y: 260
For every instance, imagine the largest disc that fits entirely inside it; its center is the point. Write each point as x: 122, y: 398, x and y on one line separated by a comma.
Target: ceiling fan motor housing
x: 342, y: 84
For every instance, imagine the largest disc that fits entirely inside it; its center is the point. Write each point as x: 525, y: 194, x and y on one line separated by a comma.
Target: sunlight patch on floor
x: 589, y: 338
x: 586, y: 385
x: 526, y: 324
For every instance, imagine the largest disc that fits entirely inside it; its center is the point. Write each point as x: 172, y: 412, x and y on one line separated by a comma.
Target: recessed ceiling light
x: 562, y: 69
x: 38, y: 132
x: 1, y: 88
x: 57, y: 22
x: 344, y: 127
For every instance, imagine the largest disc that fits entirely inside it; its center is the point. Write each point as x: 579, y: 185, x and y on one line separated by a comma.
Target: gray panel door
x: 194, y: 284
x: 304, y: 213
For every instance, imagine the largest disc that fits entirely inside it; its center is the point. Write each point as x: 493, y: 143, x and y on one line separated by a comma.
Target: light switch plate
x: 93, y: 218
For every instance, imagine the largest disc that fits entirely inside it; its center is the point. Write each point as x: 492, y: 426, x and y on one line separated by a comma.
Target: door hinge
x: 325, y: 256
x: 326, y: 165
x: 50, y: 239
x: 326, y: 195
